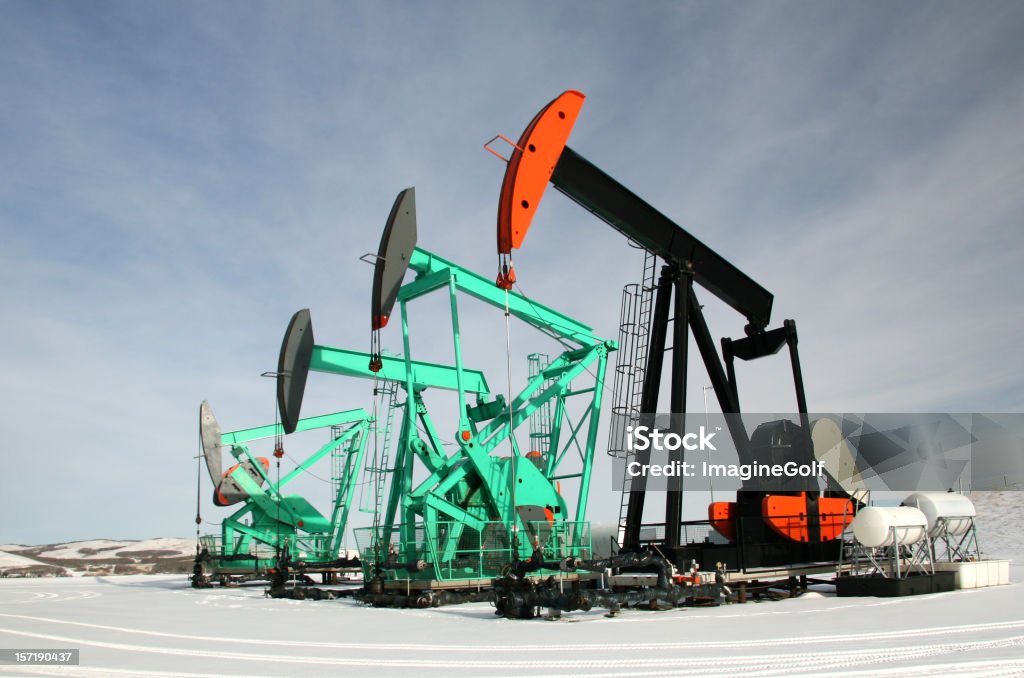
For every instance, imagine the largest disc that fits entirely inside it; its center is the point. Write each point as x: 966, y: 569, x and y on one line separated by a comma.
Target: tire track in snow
x: 751, y: 665
x: 611, y: 647
x: 53, y: 597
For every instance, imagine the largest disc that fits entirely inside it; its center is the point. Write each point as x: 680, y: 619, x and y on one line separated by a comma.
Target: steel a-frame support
x: 674, y: 286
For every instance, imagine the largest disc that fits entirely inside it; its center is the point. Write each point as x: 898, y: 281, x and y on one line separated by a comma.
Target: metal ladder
x: 630, y: 368
x: 377, y: 466
x: 540, y: 419
x: 338, y: 461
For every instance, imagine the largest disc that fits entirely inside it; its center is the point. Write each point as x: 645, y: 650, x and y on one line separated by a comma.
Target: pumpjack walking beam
x: 541, y: 156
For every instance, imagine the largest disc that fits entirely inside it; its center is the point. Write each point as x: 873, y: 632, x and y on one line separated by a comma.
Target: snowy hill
x: 98, y: 557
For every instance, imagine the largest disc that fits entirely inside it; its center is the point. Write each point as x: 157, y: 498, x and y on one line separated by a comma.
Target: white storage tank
x: 874, y: 525
x: 956, y: 510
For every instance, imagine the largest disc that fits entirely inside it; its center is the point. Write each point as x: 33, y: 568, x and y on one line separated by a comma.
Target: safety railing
x: 452, y: 551
x: 255, y: 554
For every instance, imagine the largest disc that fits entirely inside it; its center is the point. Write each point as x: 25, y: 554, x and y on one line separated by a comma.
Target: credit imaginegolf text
x: 685, y: 469
x: 645, y: 438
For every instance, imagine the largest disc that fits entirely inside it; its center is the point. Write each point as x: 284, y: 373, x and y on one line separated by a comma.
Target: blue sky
x: 177, y: 179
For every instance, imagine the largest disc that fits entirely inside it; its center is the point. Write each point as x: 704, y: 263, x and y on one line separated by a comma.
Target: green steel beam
x: 526, y: 403
x: 443, y: 479
x: 574, y: 430
x: 267, y: 500
x: 428, y: 451
x: 556, y: 435
x: 271, y: 430
x: 459, y: 371
x: 431, y: 273
x: 588, y: 460
x: 250, y: 532
x: 453, y: 511
x: 403, y: 477
x: 322, y: 452
x: 455, y: 531
x: 426, y: 283
x: 424, y: 375
x: 232, y: 520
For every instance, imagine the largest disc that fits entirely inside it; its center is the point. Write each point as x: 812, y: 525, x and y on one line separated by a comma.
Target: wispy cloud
x: 177, y: 181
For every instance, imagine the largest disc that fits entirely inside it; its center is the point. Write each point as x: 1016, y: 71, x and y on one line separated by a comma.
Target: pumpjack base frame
x: 771, y: 574
x: 408, y: 585
x: 238, y: 571
x: 768, y: 557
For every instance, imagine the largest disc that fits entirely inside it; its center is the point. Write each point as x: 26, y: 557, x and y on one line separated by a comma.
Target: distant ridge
x: 98, y: 557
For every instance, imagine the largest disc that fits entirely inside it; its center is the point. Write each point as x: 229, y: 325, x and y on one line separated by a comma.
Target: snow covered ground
x: 158, y: 625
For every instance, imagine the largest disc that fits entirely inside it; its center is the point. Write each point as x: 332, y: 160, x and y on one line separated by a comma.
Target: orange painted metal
x: 530, y: 167
x: 836, y: 514
x: 506, y: 279
x: 787, y: 515
x: 722, y: 515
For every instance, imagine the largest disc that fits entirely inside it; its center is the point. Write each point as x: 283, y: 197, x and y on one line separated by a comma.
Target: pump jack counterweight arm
x: 635, y: 218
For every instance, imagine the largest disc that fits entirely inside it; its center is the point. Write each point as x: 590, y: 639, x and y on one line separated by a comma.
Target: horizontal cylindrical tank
x: 953, y: 510
x: 888, y: 526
